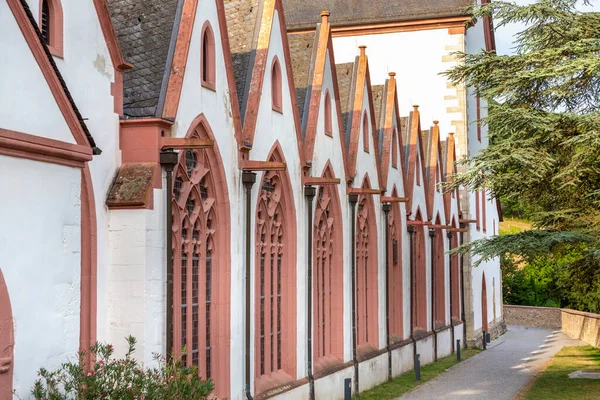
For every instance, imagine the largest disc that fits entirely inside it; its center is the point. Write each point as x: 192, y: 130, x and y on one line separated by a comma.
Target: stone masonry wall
x: 580, y: 325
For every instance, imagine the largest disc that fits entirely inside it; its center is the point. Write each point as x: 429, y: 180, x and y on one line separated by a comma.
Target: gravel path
x: 500, y: 372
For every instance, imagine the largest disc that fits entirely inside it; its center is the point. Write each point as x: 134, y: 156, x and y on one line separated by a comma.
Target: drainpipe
x: 387, y: 207
x: 309, y: 193
x: 411, y: 233
x: 449, y: 236
x: 169, y: 159
x: 462, y: 288
x: 353, y: 198
x: 432, y: 234
x: 248, y: 179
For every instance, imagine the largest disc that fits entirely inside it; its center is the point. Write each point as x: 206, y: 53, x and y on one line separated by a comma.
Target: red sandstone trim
x: 54, y: 84
x: 179, y: 63
x: 23, y: 145
x: 276, y: 93
x: 7, y: 341
x: 110, y: 37
x: 89, y: 250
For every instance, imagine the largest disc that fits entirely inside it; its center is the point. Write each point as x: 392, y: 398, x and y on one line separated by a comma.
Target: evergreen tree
x: 544, y: 132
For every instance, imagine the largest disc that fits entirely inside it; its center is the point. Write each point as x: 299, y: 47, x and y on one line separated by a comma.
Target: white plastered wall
x: 329, y: 148
x: 27, y: 104
x: 474, y: 42
x: 87, y: 64
x: 272, y: 126
x: 217, y: 109
x: 137, y: 289
x: 40, y: 258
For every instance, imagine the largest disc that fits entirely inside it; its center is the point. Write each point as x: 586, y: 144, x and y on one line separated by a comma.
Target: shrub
x: 122, y: 379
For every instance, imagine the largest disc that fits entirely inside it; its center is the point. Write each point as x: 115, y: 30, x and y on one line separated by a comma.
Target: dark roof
x: 95, y: 150
x: 243, y: 18
x: 146, y: 30
x: 345, y: 78
x: 301, y: 50
x: 304, y: 14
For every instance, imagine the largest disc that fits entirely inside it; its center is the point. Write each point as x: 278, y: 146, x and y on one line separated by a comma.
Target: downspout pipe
x: 462, y: 288
x: 449, y: 236
x: 353, y: 199
x: 432, y: 234
x: 248, y: 179
x: 309, y: 193
x: 169, y: 159
x: 411, y: 233
x: 387, y: 207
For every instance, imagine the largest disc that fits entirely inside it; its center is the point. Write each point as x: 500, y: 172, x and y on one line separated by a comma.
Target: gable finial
x: 324, y: 16
x: 392, y: 74
x: 362, y: 48
x: 436, y: 122
x: 416, y: 107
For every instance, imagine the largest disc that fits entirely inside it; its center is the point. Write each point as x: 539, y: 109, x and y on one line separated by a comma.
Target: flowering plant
x: 122, y: 379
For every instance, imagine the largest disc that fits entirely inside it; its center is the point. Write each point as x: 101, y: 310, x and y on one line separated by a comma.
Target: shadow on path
x: 500, y: 372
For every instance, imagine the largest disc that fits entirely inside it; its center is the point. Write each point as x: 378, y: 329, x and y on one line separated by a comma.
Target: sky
x: 505, y: 35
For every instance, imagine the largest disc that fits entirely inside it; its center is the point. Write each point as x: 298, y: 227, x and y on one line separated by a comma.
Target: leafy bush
x: 120, y: 379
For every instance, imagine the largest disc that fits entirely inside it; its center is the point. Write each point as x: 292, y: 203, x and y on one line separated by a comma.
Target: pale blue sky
x: 505, y: 35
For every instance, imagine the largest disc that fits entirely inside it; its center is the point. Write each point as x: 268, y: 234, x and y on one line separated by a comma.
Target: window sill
x: 278, y: 109
x: 330, y: 134
x: 209, y: 85
x: 56, y: 51
x: 266, y: 383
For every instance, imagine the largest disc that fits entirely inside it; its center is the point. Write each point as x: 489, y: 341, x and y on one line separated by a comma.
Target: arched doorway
x: 484, y: 314
x: 6, y: 342
x: 201, y: 260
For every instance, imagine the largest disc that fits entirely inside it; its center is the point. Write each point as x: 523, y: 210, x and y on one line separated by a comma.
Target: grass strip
x: 403, y: 383
x: 554, y: 382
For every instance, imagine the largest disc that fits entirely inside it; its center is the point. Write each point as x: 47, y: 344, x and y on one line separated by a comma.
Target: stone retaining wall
x: 579, y: 325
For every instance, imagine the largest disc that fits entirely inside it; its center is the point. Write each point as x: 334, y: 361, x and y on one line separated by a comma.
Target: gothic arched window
x: 328, y: 116
x: 327, y: 274
x: 276, y: 94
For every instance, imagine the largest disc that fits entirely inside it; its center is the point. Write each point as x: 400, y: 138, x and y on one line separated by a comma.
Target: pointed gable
x: 433, y: 164
x: 302, y: 46
x: 251, y: 26
x: 414, y: 159
x: 390, y: 130
x: 361, y: 135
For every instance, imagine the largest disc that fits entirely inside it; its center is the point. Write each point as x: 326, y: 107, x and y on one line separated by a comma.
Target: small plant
x: 121, y: 379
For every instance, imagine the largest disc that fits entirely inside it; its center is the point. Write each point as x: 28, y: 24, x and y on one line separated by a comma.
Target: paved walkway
x: 500, y: 372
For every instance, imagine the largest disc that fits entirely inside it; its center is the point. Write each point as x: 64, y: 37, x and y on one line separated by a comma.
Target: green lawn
x: 406, y: 382
x: 510, y: 226
x: 554, y: 382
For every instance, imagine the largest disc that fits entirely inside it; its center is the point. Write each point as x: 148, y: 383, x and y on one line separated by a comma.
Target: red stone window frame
x: 454, y: 277
x: 51, y: 26
x: 201, y: 262
x: 367, y: 333
x: 478, y: 105
x: 328, y: 116
x: 418, y: 169
x: 328, y: 299
x: 207, y: 57
x: 395, y: 148
x: 483, y: 211
x: 439, y: 270
x: 275, y: 269
x: 420, y: 275
x: 395, y: 273
x: 276, y: 87
x: 365, y: 131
